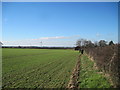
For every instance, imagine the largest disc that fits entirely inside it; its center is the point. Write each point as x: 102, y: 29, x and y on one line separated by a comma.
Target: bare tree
x: 88, y: 43
x: 78, y: 43
x: 111, y: 43
x: 81, y: 42
x: 102, y: 43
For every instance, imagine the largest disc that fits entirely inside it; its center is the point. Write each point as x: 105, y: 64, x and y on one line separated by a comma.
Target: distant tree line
x: 35, y: 47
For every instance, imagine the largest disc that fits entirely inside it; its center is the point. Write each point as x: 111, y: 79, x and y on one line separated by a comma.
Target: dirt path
x: 73, y: 83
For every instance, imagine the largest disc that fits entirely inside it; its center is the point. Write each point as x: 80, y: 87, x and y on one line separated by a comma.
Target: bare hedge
x: 107, y: 59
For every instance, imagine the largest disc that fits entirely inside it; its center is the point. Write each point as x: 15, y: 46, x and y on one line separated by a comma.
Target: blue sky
x: 58, y: 23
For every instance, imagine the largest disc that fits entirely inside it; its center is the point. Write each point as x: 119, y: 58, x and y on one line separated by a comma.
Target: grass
x: 37, y: 68
x: 89, y: 78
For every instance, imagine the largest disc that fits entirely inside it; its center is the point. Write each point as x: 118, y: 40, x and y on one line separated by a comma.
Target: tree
x: 80, y: 42
x: 111, y: 43
x: 102, y: 43
x: 88, y: 43
x: 84, y: 43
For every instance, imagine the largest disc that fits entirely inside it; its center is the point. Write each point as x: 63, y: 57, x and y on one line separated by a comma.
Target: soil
x: 73, y: 83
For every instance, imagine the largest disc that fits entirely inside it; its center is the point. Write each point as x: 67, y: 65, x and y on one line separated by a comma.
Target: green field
x: 37, y: 68
x: 47, y: 68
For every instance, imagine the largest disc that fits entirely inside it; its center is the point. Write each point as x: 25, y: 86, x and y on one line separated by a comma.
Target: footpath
x: 85, y: 75
x: 90, y: 77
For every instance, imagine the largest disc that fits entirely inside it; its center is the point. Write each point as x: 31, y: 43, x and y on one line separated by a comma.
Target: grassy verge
x: 89, y: 77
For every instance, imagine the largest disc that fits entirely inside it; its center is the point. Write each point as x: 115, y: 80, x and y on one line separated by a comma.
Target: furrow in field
x: 26, y: 55
x: 27, y: 70
x: 60, y: 77
x: 51, y: 72
x: 55, y: 75
x: 73, y: 83
x: 14, y: 78
x: 41, y: 71
x: 50, y: 76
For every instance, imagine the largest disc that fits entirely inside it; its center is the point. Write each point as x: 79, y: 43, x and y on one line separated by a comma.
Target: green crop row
x: 37, y: 68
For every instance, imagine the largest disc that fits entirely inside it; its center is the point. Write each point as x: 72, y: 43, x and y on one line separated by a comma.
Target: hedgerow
x: 107, y: 60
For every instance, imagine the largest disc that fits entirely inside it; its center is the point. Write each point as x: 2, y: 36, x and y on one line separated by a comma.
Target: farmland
x: 49, y: 68
x: 37, y: 68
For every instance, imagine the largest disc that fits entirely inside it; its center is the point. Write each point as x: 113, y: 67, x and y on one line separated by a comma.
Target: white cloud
x: 46, y: 41
x: 57, y: 37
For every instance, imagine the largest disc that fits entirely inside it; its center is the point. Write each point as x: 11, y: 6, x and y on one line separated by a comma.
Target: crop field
x: 49, y: 68
x: 37, y: 68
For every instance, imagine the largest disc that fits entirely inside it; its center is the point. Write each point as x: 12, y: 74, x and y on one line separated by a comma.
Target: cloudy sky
x: 58, y: 23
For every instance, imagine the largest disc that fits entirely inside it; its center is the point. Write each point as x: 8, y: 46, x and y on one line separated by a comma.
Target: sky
x: 60, y: 0
x: 58, y: 23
